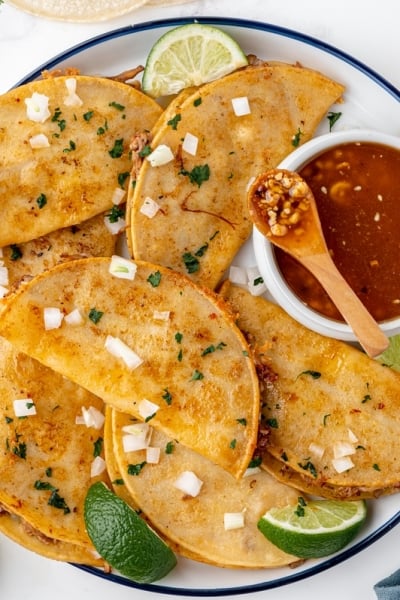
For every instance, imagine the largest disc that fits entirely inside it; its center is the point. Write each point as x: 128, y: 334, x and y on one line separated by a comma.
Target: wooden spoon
x: 283, y: 208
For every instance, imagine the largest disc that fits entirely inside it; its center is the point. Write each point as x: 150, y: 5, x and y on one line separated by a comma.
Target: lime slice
x: 123, y: 539
x: 313, y: 529
x: 391, y: 356
x: 190, y: 55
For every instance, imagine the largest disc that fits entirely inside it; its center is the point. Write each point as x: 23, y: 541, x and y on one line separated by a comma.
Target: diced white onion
x: 119, y: 349
x: 161, y: 155
x: 341, y: 449
x: 255, y: 282
x: 137, y: 437
x: 122, y: 267
x: 352, y: 437
x: 118, y: 196
x: 188, y: 483
x: 97, y: 467
x: 115, y: 227
x: 52, y: 317
x: 39, y: 141
x: 24, y: 407
x: 316, y: 450
x: 237, y: 275
x: 241, y: 106
x: 153, y: 455
x: 74, y: 317
x: 149, y: 208
x: 3, y: 291
x: 190, y: 143
x: 72, y: 99
x: 161, y: 315
x: 250, y: 471
x: 4, y: 276
x: 37, y: 108
x: 233, y: 520
x: 342, y: 464
x: 92, y: 417
x: 147, y: 409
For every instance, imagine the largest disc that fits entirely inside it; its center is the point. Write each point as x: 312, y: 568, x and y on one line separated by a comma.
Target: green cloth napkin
x: 388, y: 588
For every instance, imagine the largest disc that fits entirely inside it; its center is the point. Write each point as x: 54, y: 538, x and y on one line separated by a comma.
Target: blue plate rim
x: 391, y: 90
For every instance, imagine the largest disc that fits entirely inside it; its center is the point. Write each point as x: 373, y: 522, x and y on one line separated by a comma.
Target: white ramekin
x: 264, y: 251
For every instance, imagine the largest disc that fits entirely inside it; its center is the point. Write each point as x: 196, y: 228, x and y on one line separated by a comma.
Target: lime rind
x: 391, y: 356
x: 324, y: 527
x: 124, y: 539
x: 190, y: 55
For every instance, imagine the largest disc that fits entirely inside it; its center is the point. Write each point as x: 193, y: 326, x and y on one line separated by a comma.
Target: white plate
x: 370, y: 102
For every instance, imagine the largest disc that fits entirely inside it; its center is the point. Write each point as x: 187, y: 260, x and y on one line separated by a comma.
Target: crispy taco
x: 189, y: 211
x: 52, y: 432
x: 65, y: 150
x: 151, y: 343
x: 90, y: 238
x: 332, y: 412
x: 195, y: 524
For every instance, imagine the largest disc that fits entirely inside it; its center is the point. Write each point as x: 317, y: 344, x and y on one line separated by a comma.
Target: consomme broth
x: 357, y: 190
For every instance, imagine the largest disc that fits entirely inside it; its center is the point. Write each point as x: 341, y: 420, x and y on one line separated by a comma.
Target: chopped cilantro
x: 95, y: 315
x: 118, y: 149
x: 71, y: 147
x: 191, y: 263
x: 20, y: 450
x: 115, y: 213
x: 213, y: 348
x: 88, y: 115
x: 122, y: 177
x: 376, y: 467
x: 178, y: 337
x: 313, y: 374
x: 167, y: 396
x: 198, y: 174
x: 232, y: 444
x: 197, y: 102
x: 145, y: 151
x: 116, y: 106
x: 169, y: 448
x: 41, y: 200
x: 308, y: 466
x: 197, y: 375
x: 43, y: 485
x: 135, y: 469
x: 103, y: 129
x: 296, y: 137
x: 97, y: 447
x: 16, y: 252
x: 58, y: 502
x: 272, y: 423
x: 49, y: 472
x: 154, y: 279
x: 242, y: 421
x: 332, y: 118
x: 255, y: 462
x: 174, y: 121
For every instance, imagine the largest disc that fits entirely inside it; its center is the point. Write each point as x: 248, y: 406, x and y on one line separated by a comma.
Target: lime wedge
x: 123, y: 539
x: 313, y: 529
x: 190, y: 55
x: 391, y: 356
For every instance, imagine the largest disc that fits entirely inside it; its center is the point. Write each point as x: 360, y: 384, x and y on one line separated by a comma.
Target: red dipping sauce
x: 357, y: 191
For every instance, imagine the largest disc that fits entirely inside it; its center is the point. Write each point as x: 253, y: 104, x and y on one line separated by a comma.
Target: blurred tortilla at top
x: 192, y: 362
x: 202, y: 217
x: 326, y: 404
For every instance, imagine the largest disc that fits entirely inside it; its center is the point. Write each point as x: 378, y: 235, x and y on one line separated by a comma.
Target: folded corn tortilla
x: 201, y: 218
x: 190, y: 361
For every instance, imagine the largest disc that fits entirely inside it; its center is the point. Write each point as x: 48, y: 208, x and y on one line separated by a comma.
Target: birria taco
x: 188, y: 210
x: 332, y: 412
x: 64, y: 151
x: 151, y: 343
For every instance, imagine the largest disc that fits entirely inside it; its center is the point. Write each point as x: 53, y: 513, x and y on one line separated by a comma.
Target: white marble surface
x: 366, y: 29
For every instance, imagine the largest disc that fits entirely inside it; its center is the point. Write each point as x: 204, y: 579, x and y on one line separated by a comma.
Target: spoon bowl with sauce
x: 360, y: 222
x: 283, y: 208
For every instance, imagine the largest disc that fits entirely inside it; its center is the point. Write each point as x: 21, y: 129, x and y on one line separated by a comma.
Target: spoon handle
x: 364, y: 326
